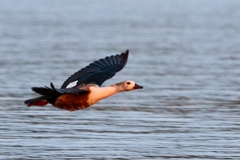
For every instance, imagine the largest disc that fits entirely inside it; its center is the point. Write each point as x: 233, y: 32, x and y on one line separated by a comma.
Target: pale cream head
x: 128, y: 85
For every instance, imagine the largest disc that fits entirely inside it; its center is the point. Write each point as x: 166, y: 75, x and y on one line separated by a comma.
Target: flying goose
x: 83, y: 88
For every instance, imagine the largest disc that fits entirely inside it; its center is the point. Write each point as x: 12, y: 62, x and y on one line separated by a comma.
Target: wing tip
x: 125, y: 56
x: 126, y: 52
x: 52, y: 86
x: 122, y: 58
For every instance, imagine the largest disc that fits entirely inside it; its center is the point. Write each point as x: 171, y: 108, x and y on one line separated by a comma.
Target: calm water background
x: 186, y: 54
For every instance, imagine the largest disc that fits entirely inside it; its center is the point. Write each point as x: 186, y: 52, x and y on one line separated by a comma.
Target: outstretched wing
x: 50, y: 91
x: 73, y: 90
x: 98, y: 71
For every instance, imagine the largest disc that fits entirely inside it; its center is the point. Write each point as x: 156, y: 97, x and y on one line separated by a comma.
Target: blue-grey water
x: 186, y: 54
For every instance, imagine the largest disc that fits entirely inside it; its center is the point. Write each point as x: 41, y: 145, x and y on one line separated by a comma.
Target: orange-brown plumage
x: 72, y: 102
x: 38, y: 103
x: 83, y: 88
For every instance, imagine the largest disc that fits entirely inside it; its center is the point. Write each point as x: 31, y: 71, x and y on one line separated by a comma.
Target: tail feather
x: 43, y: 91
x: 40, y: 101
x: 46, y: 91
x: 49, y: 95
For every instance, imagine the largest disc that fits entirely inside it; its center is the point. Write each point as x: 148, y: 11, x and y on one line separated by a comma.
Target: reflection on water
x: 185, y: 54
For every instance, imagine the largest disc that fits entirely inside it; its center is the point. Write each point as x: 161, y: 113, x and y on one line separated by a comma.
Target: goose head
x: 128, y: 85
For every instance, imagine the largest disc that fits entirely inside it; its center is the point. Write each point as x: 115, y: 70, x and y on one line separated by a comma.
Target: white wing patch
x: 72, y: 84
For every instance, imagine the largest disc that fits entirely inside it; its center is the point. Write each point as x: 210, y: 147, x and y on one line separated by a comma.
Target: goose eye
x: 128, y: 83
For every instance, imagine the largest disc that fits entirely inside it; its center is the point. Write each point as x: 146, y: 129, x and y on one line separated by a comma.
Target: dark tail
x: 49, y: 95
x: 45, y: 91
x: 40, y: 101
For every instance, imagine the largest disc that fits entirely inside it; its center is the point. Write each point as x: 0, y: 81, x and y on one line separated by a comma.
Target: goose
x: 83, y: 89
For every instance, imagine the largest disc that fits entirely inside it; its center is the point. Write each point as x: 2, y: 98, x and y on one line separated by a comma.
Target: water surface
x: 184, y: 53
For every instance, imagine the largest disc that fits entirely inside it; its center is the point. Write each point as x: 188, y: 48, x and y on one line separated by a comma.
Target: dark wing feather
x: 99, y: 71
x: 73, y: 90
x: 47, y: 91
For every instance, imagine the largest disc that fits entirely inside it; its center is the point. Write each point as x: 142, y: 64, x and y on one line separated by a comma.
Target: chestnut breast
x: 72, y: 102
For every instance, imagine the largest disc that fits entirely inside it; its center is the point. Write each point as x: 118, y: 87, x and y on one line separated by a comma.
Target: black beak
x: 137, y: 87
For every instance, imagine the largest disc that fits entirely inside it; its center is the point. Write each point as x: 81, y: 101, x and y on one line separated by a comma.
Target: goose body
x: 83, y: 89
